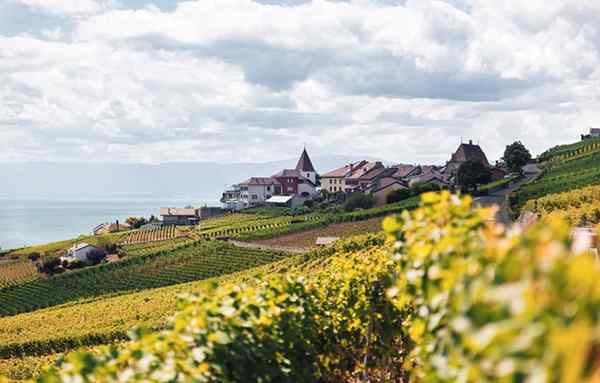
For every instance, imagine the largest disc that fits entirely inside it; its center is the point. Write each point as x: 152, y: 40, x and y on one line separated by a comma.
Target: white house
x: 80, y: 252
x: 256, y: 190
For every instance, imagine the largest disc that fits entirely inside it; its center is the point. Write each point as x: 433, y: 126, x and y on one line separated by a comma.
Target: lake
x: 30, y: 221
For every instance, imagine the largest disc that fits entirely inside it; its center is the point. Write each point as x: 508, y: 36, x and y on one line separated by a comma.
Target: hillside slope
x: 450, y: 296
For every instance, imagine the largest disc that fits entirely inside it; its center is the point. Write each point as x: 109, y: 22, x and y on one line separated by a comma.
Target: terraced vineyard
x: 14, y: 272
x: 561, y: 176
x: 153, y: 235
x: 63, y: 245
x: 157, y: 247
x: 188, y: 263
x: 109, y: 319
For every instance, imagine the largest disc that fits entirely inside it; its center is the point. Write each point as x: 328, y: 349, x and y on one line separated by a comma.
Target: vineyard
x: 564, y: 176
x: 188, y: 263
x: 579, y: 207
x: 153, y: 235
x: 14, y: 272
x: 96, y: 240
x: 449, y: 297
x: 571, y: 151
x: 109, y: 319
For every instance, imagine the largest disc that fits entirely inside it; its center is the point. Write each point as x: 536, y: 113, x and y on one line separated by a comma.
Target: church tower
x: 306, y: 168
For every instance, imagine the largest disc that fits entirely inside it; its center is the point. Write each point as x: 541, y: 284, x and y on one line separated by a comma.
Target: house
x: 335, y: 180
x: 406, y: 171
x: 300, y: 182
x: 256, y: 190
x: 293, y: 182
x: 382, y: 187
x: 361, y: 178
x: 356, y: 176
x: 594, y: 133
x: 82, y: 252
x: 179, y: 216
x: 465, y: 152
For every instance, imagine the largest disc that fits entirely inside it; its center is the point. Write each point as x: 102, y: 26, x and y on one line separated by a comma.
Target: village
x: 302, y: 185
x: 356, y: 185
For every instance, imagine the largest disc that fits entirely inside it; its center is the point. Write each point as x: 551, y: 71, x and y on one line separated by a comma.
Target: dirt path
x: 307, y: 239
x: 257, y: 246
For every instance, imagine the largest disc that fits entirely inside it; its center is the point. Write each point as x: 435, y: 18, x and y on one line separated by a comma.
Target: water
x: 37, y: 220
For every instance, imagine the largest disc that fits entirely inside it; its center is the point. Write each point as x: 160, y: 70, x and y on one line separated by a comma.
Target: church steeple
x: 304, y: 163
x: 306, y: 168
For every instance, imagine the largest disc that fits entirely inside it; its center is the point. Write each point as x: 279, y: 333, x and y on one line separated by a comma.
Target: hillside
x: 448, y: 288
x: 565, y: 168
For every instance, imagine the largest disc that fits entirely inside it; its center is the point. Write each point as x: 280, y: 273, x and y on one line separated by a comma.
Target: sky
x: 151, y: 81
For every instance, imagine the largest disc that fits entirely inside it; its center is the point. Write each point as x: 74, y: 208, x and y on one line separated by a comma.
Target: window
x: 268, y: 188
x: 254, y: 196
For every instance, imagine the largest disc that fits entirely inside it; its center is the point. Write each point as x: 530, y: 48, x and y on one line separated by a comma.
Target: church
x: 289, y: 187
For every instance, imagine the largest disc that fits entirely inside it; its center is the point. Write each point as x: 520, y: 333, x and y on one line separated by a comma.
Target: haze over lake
x: 36, y: 220
x: 43, y: 202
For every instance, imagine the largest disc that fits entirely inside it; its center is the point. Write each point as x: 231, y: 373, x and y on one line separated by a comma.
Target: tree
x: 398, y: 195
x: 359, y: 201
x: 136, y: 222
x: 472, y: 173
x: 516, y: 156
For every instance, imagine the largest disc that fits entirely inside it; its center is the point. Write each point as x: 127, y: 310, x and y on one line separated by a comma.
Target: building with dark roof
x: 465, y: 152
x: 300, y: 182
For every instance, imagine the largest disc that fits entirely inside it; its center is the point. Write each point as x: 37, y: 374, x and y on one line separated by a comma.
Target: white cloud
x: 63, y: 7
x: 397, y: 80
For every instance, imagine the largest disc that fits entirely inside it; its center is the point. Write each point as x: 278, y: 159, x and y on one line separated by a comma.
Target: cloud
x: 63, y: 7
x: 233, y: 80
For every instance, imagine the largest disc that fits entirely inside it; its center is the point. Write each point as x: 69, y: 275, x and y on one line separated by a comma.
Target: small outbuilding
x: 324, y: 241
x: 83, y: 252
x: 280, y: 200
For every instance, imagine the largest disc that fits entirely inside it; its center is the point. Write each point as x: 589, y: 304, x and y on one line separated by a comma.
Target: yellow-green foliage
x: 95, y: 240
x: 578, y: 207
x: 17, y: 271
x: 457, y: 298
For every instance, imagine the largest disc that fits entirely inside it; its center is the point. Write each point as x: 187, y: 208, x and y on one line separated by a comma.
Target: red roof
x: 368, y: 171
x: 291, y: 173
x: 304, y: 163
x: 344, y: 170
x: 256, y: 181
x: 470, y: 152
x: 386, y: 182
x: 403, y: 170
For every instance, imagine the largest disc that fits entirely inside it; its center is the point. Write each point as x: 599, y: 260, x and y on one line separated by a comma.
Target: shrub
x: 358, y: 200
x: 48, y: 265
x: 398, y: 195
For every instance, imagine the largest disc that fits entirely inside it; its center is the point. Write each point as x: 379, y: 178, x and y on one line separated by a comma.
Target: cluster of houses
x: 292, y: 187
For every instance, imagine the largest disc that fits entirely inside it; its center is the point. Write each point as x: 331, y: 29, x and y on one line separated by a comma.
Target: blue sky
x: 233, y: 80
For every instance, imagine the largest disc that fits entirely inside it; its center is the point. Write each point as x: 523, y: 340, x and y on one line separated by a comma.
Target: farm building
x: 82, y: 252
x: 179, y: 216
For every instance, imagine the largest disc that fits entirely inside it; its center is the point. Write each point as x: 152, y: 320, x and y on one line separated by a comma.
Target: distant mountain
x: 200, y: 180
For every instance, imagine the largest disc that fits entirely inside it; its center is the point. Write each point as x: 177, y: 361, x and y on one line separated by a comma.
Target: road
x: 499, y: 198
